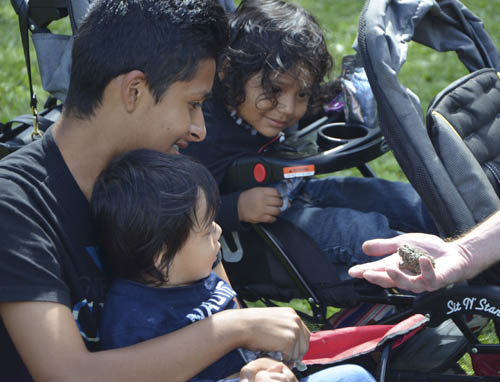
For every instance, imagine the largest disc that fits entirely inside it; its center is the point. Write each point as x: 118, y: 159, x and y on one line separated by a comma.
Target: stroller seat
x: 451, y: 161
x: 266, y: 262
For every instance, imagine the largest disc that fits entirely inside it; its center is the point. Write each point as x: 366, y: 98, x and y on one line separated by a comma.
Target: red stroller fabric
x: 332, y: 346
x: 486, y: 364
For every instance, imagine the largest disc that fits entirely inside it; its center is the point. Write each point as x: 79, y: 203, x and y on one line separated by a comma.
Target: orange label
x: 298, y: 171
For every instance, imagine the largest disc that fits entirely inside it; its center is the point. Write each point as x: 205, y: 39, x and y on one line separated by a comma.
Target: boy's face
x: 177, y: 119
x: 292, y: 100
x: 195, y: 259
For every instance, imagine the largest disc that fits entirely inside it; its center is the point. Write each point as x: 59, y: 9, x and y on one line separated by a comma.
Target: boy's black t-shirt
x: 48, y: 250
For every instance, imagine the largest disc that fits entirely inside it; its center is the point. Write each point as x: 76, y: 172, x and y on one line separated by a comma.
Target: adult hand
x: 451, y: 261
x: 266, y: 370
x: 259, y: 205
x: 274, y: 329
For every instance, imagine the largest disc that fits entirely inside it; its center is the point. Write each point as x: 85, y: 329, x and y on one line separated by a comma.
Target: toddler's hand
x: 275, y: 329
x: 266, y: 370
x: 259, y: 205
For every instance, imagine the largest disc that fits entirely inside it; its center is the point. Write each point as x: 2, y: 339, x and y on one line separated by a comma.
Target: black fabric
x: 464, y: 128
x: 470, y: 108
x: 13, y: 368
x: 48, y: 247
x: 385, y: 29
x: 225, y: 142
x: 27, y: 119
x: 451, y: 26
x: 284, y: 276
x: 330, y: 282
x: 18, y: 132
x: 465, y: 132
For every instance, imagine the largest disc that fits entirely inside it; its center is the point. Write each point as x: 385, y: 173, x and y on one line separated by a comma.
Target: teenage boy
x: 140, y: 71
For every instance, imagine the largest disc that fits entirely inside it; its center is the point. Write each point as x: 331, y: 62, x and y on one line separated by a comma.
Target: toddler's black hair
x: 146, y: 201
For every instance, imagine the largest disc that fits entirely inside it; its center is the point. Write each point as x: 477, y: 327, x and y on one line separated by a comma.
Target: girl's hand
x: 259, y: 205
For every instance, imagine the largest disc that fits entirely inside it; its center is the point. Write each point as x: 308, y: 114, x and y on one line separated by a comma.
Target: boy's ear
x: 133, y: 88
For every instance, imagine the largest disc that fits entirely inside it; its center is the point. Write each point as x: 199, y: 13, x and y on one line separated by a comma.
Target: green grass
x: 14, y: 97
x: 426, y: 72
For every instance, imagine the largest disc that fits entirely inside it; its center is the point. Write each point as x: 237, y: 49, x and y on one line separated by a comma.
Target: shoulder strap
x: 26, y: 119
x: 23, y: 13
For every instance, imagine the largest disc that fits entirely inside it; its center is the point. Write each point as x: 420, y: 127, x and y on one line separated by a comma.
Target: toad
x: 409, y: 258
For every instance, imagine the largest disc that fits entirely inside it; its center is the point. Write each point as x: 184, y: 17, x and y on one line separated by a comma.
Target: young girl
x: 154, y: 214
x: 273, y: 75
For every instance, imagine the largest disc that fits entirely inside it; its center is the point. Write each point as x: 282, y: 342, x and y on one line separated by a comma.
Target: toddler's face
x: 195, y: 259
x: 268, y: 119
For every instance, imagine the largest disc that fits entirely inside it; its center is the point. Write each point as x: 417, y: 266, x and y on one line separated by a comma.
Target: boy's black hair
x: 146, y: 200
x: 165, y: 39
x: 271, y: 36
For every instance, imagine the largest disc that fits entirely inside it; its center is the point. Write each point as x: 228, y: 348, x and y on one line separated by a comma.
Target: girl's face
x: 292, y: 98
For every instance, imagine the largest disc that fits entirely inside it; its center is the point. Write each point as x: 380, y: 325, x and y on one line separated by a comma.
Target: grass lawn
x: 426, y: 72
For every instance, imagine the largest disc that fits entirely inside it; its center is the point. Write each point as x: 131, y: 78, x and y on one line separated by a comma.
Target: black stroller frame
x: 280, y: 246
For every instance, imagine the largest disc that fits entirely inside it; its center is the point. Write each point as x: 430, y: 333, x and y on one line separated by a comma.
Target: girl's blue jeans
x: 340, y: 213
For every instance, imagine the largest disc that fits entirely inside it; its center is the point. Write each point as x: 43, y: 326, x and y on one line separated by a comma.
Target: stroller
x: 458, y: 194
x: 283, y: 273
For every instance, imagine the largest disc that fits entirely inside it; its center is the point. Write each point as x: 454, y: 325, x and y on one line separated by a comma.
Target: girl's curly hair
x: 270, y: 36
